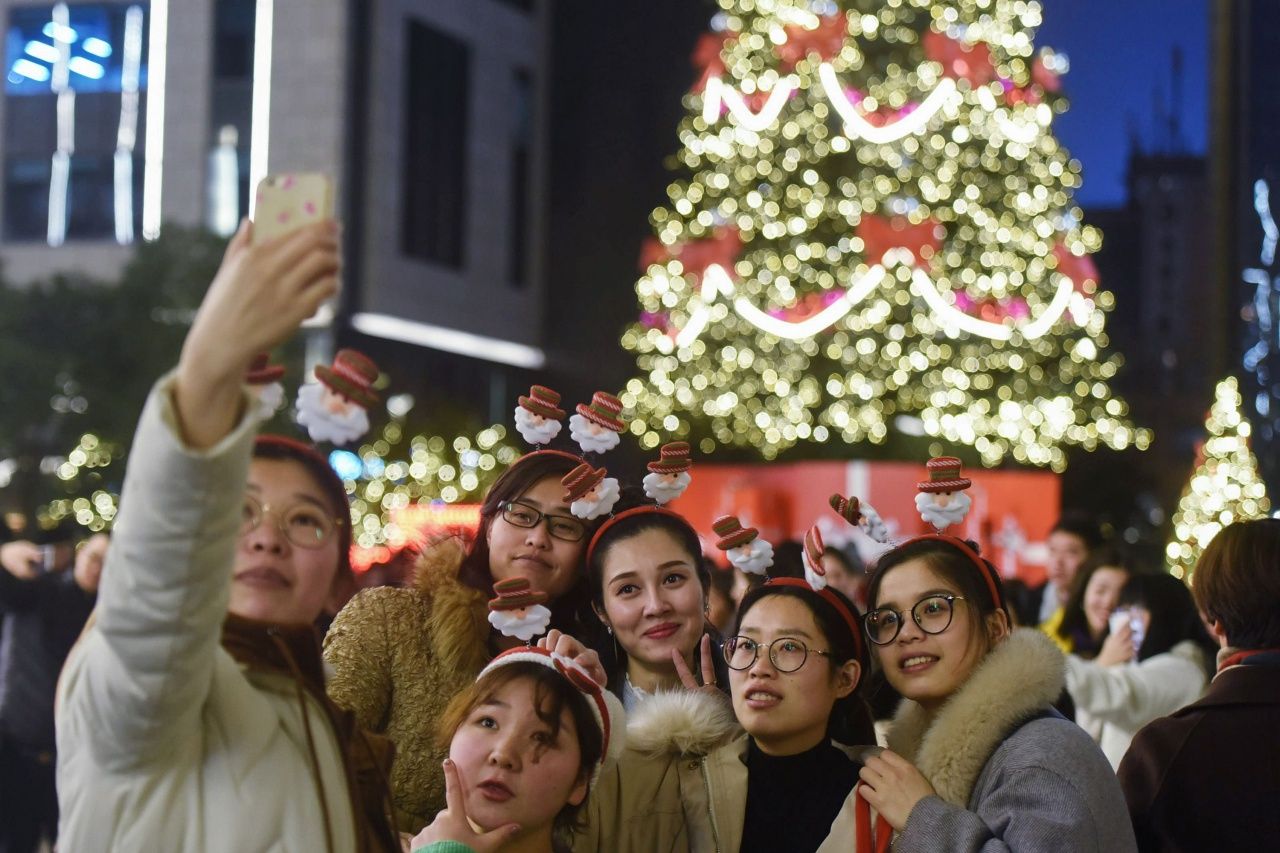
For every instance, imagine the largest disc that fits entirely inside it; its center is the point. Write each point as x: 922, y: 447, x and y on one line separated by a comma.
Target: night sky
x: 1120, y: 59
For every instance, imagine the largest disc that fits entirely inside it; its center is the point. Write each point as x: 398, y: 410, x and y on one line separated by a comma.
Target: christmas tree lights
x: 876, y: 221
x: 1224, y: 488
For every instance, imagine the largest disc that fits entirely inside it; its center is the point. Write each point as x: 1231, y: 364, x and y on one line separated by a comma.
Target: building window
x: 75, y: 81
x: 521, y: 163
x: 437, y: 89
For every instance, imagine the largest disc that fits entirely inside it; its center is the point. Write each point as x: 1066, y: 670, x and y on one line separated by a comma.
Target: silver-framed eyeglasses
x: 562, y: 527
x: 932, y: 613
x: 304, y: 524
x: 787, y: 654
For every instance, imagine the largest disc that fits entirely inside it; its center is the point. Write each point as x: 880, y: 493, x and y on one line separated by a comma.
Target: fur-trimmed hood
x: 458, y: 620
x: 1019, y: 678
x: 681, y: 722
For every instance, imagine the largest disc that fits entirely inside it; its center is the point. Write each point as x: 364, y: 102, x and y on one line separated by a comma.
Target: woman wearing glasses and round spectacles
x: 399, y: 655
x: 977, y: 756
x: 694, y: 777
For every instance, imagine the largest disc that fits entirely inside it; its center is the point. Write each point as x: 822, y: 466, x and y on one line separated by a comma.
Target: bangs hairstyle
x: 850, y: 721
x: 278, y: 448
x: 552, y: 695
x: 1237, y: 583
x: 525, y: 473
x: 612, y: 656
x: 1174, y: 618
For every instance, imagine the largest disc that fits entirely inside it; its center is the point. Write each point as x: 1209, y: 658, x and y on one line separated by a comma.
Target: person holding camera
x: 45, y: 599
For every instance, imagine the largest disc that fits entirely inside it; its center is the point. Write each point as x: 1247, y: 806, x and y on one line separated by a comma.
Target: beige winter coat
x: 398, y: 656
x: 681, y: 784
x: 165, y: 742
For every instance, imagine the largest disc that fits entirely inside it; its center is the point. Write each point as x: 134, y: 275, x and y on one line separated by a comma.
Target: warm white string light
x: 717, y: 92
x: 857, y: 127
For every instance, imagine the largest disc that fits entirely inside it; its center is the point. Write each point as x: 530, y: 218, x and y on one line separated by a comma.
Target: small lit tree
x: 1224, y: 488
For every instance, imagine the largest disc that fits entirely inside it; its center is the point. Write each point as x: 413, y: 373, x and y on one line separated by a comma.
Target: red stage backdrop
x: 1011, y: 515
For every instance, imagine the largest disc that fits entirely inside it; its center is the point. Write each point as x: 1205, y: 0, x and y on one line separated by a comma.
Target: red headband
x: 639, y: 510
x: 832, y: 599
x: 547, y: 451
x: 984, y: 568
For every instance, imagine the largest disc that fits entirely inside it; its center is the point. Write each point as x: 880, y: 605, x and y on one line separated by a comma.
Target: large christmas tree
x: 876, y: 229
x: 1225, y: 486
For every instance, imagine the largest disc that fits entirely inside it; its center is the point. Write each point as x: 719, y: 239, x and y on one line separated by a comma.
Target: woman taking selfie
x: 977, y: 758
x: 692, y: 777
x: 400, y: 655
x: 1158, y: 659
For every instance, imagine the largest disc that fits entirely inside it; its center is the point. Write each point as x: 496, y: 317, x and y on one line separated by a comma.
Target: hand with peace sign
x: 708, y: 684
x: 452, y: 824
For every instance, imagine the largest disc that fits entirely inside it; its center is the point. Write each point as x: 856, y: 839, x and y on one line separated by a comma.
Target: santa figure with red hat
x: 596, y: 427
x: 263, y: 379
x: 742, y: 545
x: 334, y: 407
x: 669, y: 476
x: 589, y: 493
x: 538, y: 416
x: 941, y: 499
x: 518, y: 610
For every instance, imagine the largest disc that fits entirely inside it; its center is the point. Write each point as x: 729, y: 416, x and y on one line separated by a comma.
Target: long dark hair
x: 1174, y: 617
x: 612, y: 656
x: 1074, y: 627
x: 850, y: 721
x: 525, y: 473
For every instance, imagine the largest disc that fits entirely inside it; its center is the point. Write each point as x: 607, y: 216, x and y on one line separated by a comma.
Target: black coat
x: 1208, y: 776
x: 41, y: 620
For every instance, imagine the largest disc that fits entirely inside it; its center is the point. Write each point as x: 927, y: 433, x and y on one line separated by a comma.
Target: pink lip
x: 661, y: 632
x: 263, y: 577
x: 761, y: 704
x: 530, y: 558
x: 916, y: 668
x: 495, y: 791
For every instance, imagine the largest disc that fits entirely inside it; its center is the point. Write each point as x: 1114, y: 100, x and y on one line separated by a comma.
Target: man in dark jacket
x: 1208, y: 776
x: 44, y: 608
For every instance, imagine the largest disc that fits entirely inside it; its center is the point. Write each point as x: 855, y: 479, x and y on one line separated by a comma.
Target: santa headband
x: 647, y: 509
x: 985, y: 569
x: 606, y: 710
x: 831, y: 598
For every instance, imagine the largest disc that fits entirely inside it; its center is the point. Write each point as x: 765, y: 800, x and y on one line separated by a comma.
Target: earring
x: 609, y: 628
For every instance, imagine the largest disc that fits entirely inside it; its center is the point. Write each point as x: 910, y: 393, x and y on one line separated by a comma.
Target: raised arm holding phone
x: 192, y: 713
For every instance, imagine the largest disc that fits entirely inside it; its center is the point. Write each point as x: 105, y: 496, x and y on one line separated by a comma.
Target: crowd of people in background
x: 224, y: 690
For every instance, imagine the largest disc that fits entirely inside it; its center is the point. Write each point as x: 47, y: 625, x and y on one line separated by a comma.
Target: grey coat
x: 1010, y: 774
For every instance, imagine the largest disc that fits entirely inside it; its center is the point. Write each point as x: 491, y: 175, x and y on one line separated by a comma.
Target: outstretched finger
x: 549, y: 641
x: 454, y: 800
x: 708, y: 663
x: 682, y: 670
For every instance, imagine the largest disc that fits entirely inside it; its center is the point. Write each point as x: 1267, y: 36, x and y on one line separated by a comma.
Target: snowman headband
x: 605, y: 708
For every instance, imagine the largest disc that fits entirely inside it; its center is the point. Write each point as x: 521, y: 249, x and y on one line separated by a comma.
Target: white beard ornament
x: 518, y: 610
x: 669, y: 476
x: 588, y: 492
x: 538, y: 416
x: 270, y: 399
x: 263, y: 379
x: 743, y: 546
x: 596, y: 426
x: 334, y: 406
x: 329, y: 416
x: 941, y: 499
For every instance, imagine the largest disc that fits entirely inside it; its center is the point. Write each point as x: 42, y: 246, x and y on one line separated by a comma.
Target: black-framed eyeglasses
x: 562, y: 527
x: 787, y: 654
x: 932, y: 613
x: 304, y: 524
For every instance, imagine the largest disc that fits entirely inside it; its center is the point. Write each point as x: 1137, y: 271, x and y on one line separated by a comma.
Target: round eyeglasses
x: 932, y: 613
x: 787, y: 654
x: 304, y: 524
x: 560, y: 526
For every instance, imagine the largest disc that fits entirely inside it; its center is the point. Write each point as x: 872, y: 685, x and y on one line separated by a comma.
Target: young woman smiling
x: 1081, y: 627
x: 977, y: 757
x: 400, y: 655
x: 692, y: 777
x: 649, y: 590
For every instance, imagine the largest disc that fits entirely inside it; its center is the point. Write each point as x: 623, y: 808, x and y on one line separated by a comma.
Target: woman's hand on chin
x: 893, y: 786
x: 452, y: 824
